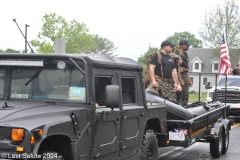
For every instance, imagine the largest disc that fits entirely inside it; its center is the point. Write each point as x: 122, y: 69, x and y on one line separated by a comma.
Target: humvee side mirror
x: 207, y: 85
x: 112, y: 96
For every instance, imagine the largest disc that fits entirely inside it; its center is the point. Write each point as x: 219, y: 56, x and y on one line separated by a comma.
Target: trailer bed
x: 199, y: 134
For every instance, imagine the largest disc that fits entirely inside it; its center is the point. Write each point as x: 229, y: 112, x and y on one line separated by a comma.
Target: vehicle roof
x: 97, y: 59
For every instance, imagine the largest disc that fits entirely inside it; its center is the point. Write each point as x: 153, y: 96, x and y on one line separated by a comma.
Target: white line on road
x: 175, y: 155
x: 193, y: 145
x: 167, y: 153
x: 179, y: 153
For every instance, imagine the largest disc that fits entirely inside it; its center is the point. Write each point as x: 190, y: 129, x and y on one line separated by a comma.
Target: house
x: 204, y: 65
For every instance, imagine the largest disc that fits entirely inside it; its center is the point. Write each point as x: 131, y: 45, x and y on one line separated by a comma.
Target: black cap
x: 167, y: 43
x: 184, y: 42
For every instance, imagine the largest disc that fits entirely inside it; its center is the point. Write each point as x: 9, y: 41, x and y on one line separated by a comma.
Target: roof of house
x: 206, y: 56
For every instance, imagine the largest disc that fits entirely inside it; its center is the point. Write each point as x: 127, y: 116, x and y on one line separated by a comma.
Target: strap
x: 163, y: 79
x: 185, y: 53
x: 171, y: 56
x: 159, y: 61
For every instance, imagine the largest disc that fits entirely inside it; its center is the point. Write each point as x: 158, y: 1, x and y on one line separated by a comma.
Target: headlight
x: 17, y: 134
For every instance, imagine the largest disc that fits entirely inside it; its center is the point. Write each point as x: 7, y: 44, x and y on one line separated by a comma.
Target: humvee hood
x: 31, y: 114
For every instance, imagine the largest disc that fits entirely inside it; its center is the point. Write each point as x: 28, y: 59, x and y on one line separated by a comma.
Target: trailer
x: 197, y: 122
x: 215, y: 133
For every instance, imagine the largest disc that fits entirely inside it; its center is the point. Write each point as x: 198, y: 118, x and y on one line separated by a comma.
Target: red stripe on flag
x: 224, y: 58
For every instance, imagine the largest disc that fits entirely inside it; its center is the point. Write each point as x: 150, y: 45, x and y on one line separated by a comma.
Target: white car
x: 232, y: 95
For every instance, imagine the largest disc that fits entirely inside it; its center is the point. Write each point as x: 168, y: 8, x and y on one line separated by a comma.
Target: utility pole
x: 26, y: 37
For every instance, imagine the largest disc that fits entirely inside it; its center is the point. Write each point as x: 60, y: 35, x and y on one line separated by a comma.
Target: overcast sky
x: 130, y: 24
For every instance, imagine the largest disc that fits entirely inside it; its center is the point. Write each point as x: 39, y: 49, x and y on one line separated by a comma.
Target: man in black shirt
x: 183, y: 96
x: 236, y: 70
x: 163, y: 76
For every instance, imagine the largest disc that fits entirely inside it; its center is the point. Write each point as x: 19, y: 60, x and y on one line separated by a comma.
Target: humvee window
x: 2, y: 78
x: 128, y: 90
x: 100, y: 84
x: 48, y: 83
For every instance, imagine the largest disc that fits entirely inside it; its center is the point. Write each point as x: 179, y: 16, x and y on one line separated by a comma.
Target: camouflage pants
x: 179, y: 97
x: 164, y: 88
x: 182, y: 96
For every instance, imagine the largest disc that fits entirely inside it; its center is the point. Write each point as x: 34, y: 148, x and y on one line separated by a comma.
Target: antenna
x: 23, y: 35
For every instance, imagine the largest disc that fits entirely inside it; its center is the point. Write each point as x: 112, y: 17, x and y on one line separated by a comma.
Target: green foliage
x: 56, y: 27
x: 142, y: 60
x: 177, y: 36
x: 78, y: 40
x: 9, y: 50
x: 222, y: 18
x: 47, y: 48
x: 104, y: 46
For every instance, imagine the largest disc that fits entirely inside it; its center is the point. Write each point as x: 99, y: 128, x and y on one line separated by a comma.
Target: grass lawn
x: 193, y: 97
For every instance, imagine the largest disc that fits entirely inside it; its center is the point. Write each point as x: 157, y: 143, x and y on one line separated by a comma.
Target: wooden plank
x: 196, y: 131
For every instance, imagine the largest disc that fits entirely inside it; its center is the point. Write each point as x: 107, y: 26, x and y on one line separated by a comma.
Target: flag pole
x: 225, y: 63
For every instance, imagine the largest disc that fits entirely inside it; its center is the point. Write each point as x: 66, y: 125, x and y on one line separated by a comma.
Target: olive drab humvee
x: 77, y: 107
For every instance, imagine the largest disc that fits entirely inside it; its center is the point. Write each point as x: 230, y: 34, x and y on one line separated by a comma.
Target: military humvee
x: 77, y: 107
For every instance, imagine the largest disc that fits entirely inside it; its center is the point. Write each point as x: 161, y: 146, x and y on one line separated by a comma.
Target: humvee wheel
x: 225, y: 141
x: 149, y: 146
x: 48, y: 155
x: 216, y: 146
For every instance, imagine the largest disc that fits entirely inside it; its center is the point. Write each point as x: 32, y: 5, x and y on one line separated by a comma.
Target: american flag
x: 225, y: 63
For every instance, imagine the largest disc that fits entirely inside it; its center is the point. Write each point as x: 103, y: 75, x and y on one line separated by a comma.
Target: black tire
x: 149, y: 146
x: 49, y: 155
x: 216, y: 146
x: 225, y: 141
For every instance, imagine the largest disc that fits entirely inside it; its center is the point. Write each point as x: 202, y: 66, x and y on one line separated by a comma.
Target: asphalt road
x: 201, y: 151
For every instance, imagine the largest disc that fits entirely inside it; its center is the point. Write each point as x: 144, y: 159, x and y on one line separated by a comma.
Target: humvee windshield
x: 48, y: 83
x: 2, y: 78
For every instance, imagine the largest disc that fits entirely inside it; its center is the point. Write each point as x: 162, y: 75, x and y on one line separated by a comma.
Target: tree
x: 142, y: 60
x: 177, y: 36
x: 47, y: 48
x: 9, y: 50
x: 104, y: 46
x: 56, y: 27
x: 224, y: 18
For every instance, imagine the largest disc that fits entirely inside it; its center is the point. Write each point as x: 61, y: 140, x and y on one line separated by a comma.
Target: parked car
x: 226, y: 93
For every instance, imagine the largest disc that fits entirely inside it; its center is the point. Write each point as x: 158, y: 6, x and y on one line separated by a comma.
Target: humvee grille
x: 5, y: 133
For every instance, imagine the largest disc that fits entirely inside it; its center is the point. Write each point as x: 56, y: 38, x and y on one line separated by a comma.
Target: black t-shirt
x: 236, y: 71
x: 167, y: 64
x: 176, y: 65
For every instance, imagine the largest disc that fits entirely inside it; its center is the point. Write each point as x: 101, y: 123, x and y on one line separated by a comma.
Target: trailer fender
x: 217, y: 128
x: 226, y: 123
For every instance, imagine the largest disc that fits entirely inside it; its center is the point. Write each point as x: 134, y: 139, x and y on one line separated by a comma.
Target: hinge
x: 123, y: 144
x: 94, y: 152
x: 89, y: 131
x: 5, y: 96
x: 96, y: 117
x: 124, y: 114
